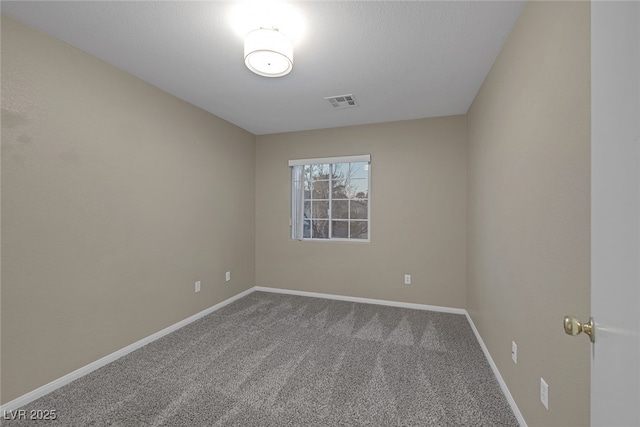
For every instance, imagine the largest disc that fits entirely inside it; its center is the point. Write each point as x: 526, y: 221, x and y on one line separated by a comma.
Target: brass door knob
x: 573, y: 326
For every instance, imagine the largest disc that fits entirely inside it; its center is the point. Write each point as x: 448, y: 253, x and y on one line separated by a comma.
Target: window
x: 330, y: 198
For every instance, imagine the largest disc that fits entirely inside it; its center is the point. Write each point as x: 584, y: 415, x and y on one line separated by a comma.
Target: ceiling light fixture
x: 268, y: 52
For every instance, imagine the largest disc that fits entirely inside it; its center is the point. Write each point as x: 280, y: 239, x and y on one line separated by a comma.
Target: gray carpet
x: 280, y: 360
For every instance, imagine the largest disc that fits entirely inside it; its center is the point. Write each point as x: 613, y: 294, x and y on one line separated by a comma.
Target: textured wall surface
x: 116, y: 198
x: 529, y: 209
x: 418, y: 196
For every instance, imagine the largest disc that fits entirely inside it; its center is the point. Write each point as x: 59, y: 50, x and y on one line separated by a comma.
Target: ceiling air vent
x: 342, y: 101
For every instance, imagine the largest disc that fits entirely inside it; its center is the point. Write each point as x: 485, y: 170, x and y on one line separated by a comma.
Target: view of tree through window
x: 336, y: 201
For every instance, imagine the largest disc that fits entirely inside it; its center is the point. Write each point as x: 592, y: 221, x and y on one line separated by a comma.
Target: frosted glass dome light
x: 268, y: 53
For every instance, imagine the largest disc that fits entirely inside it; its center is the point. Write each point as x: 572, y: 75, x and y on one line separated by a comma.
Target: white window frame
x: 297, y: 197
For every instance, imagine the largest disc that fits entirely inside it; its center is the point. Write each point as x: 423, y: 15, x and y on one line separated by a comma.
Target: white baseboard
x: 364, y: 300
x: 503, y: 385
x: 55, y: 384
x: 494, y: 367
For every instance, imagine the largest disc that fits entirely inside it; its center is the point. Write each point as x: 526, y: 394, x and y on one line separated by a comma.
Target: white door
x: 615, y: 213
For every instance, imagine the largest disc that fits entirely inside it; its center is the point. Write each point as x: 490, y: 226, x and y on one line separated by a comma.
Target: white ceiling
x: 401, y: 59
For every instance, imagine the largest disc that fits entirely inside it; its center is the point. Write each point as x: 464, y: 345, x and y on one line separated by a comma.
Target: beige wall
x: 418, y: 196
x: 529, y: 209
x: 116, y: 198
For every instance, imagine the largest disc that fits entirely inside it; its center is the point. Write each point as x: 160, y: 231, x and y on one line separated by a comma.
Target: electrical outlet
x: 544, y: 393
x: 198, y: 286
x: 514, y: 352
x: 407, y: 279
x: 227, y: 276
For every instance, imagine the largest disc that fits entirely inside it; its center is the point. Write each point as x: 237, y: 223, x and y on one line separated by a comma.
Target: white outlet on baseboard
x: 407, y: 279
x: 198, y: 286
x: 227, y: 276
x: 544, y: 393
x: 514, y: 352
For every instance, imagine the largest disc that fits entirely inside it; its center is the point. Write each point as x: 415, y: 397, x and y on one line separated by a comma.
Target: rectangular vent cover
x: 342, y: 101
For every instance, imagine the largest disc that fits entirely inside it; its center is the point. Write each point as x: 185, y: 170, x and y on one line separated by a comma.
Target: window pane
x: 306, y: 233
x: 340, y: 170
x: 307, y: 173
x: 340, y: 209
x: 320, y: 229
x: 320, y: 209
x: 339, y: 190
x: 359, y: 230
x: 339, y: 180
x: 307, y: 209
x: 307, y: 189
x: 359, y: 170
x: 359, y: 209
x: 307, y: 182
x: 320, y: 171
x: 358, y: 189
x: 340, y: 229
x: 321, y: 190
